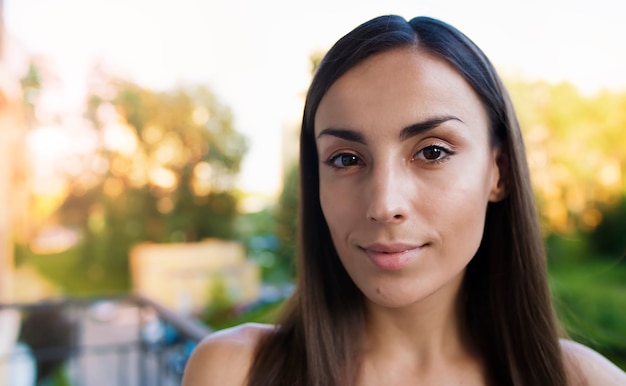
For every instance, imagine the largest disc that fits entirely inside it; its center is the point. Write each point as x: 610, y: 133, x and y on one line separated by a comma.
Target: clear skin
x: 405, y: 204
x: 406, y: 174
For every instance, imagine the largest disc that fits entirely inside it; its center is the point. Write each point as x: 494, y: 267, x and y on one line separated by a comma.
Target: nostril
x: 384, y: 218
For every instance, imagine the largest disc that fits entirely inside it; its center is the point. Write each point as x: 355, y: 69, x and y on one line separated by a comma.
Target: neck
x: 429, y: 330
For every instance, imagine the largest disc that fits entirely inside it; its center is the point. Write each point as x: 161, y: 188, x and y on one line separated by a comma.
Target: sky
x: 254, y: 55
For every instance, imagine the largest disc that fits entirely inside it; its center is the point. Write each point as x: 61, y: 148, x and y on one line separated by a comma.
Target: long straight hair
x: 508, y: 302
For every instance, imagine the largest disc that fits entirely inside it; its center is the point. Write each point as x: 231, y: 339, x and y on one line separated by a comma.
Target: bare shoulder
x: 587, y: 367
x: 224, y: 357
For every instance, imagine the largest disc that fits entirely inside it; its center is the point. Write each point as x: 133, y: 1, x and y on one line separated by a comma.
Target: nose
x: 388, y: 196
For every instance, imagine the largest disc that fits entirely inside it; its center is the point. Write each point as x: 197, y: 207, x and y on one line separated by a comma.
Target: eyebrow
x: 429, y: 124
x: 406, y: 133
x: 347, y: 134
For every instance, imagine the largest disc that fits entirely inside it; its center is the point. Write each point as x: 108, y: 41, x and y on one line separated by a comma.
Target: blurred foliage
x: 287, y: 222
x: 576, y: 148
x: 257, y: 231
x: 222, y: 307
x: 163, y: 170
x: 609, y: 237
x: 270, y: 234
x: 223, y: 312
x: 31, y: 84
x: 256, y: 313
x: 165, y: 165
x: 175, y: 164
x: 590, y: 301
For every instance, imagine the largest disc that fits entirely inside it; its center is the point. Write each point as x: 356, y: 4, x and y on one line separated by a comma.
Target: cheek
x: 466, y: 218
x: 340, y: 209
x: 461, y: 213
x: 333, y: 207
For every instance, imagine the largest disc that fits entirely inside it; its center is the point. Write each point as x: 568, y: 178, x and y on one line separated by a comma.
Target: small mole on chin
x: 378, y: 291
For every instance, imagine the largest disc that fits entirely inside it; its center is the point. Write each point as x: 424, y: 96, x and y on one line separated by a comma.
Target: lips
x: 392, y: 257
x: 390, y: 248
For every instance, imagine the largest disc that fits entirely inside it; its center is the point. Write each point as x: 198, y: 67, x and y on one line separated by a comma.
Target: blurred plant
x: 256, y: 231
x: 155, y: 166
x: 590, y: 303
x: 287, y: 223
x: 31, y: 87
x: 222, y: 312
x: 576, y: 149
x: 222, y: 308
x: 609, y: 237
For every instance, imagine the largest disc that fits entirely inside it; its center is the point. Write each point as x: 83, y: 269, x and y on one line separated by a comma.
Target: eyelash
x: 446, y: 153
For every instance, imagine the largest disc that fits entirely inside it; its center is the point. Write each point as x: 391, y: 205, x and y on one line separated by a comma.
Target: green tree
x: 164, y: 172
x: 576, y: 148
x: 287, y: 223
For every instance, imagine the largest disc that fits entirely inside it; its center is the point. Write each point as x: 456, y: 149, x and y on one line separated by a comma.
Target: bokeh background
x: 141, y: 134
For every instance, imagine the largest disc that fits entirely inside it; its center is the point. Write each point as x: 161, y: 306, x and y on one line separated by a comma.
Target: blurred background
x: 148, y: 172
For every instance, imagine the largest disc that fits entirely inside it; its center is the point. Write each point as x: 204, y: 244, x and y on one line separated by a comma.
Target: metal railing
x: 125, y: 341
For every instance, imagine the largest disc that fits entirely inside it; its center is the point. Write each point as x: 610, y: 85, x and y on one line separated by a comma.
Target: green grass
x: 590, y: 297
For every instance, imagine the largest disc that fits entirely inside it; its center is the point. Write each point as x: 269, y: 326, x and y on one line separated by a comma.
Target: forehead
x: 396, y: 89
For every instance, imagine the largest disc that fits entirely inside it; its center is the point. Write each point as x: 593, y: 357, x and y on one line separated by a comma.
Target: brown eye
x: 344, y: 160
x: 432, y: 153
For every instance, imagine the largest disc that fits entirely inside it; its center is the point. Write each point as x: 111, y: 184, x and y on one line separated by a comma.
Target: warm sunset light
x: 266, y: 95
x: 149, y: 182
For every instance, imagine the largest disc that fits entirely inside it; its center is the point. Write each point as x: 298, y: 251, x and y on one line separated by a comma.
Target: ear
x: 499, y: 184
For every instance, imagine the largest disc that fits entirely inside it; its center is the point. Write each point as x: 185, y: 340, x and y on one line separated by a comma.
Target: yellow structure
x: 188, y: 276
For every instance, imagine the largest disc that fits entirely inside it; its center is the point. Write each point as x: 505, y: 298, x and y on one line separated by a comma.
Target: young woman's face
x: 406, y: 173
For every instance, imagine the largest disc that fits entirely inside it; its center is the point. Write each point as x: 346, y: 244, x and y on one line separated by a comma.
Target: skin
x: 406, y: 174
x: 405, y: 209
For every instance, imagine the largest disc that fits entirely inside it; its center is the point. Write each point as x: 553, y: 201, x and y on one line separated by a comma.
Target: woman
x: 420, y: 256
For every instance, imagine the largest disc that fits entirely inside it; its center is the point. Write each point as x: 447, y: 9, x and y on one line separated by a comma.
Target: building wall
x: 188, y: 276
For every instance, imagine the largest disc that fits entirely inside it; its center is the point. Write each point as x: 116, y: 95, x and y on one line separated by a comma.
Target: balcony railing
x: 125, y: 341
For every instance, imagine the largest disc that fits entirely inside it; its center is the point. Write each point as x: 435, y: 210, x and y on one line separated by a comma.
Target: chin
x: 395, y: 294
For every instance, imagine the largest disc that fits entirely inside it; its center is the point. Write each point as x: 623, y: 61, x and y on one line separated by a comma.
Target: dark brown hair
x: 508, y: 303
